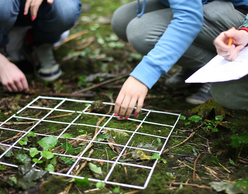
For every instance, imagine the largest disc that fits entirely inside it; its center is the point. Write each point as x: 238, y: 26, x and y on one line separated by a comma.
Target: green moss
x: 54, y: 184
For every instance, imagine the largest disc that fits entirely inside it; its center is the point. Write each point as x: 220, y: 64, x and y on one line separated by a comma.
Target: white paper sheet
x: 220, y: 69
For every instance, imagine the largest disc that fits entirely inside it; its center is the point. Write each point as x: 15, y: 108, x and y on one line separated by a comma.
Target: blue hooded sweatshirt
x: 181, y: 32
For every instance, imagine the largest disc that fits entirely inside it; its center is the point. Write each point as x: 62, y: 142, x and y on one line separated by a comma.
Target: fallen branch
x: 73, y: 36
x: 87, y: 43
x: 196, y: 160
x: 192, y: 185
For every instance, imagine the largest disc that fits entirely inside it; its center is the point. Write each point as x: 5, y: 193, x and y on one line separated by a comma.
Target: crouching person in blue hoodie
x: 169, y: 32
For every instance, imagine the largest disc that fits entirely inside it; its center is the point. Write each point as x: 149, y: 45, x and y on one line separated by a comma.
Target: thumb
x: 50, y: 1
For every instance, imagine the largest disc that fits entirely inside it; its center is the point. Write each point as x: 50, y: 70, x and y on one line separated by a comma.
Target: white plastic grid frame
x: 129, y: 141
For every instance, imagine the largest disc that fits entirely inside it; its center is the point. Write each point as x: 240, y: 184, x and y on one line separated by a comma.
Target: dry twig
x: 168, y: 149
x: 196, y: 160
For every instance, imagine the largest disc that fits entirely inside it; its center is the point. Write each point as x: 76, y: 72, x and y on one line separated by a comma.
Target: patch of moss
x: 54, y: 184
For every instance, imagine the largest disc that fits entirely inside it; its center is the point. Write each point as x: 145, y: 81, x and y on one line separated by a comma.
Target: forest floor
x: 207, y: 151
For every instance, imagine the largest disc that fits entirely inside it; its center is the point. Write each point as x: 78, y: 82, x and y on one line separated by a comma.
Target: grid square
x: 88, y: 134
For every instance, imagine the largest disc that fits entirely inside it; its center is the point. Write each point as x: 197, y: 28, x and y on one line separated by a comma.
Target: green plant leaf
x: 100, y: 185
x: 67, y: 147
x: 232, y: 162
x: 50, y: 168
x: 48, y: 142
x: 31, y: 134
x: 53, y: 161
x: 82, y: 182
x: 33, y: 152
x: 182, y: 117
x: 195, y: 118
x: 47, y: 154
x: 159, y: 141
x: 66, y: 135
x: 94, y: 168
x: 67, y: 160
x: 243, y: 183
x: 102, y: 137
x: 27, y: 175
x: 219, y: 117
x: 215, y: 160
x: 37, y: 161
x: 23, y: 141
x: 155, y: 156
x: 13, y: 180
x: 23, y: 158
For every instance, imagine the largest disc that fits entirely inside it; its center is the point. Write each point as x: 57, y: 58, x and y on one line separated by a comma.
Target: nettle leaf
x: 23, y: 141
x: 47, y: 154
x: 33, y: 152
x: 48, y: 142
x: 95, y: 169
x: 82, y: 182
x: 23, y: 158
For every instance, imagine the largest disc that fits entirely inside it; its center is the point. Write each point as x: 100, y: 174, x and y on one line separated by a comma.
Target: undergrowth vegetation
x: 206, y: 153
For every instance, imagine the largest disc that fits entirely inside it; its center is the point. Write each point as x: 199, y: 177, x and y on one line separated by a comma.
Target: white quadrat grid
x: 114, y: 164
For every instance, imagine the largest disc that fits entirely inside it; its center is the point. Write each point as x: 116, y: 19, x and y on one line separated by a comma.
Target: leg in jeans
x: 231, y: 94
x: 9, y: 11
x: 52, y: 19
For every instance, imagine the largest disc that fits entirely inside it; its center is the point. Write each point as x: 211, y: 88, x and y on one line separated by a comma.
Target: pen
x: 230, y: 39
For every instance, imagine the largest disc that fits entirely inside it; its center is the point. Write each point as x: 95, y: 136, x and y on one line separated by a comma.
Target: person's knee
x: 67, y: 12
x: 121, y: 18
x: 224, y: 96
x: 118, y: 24
x: 137, y: 37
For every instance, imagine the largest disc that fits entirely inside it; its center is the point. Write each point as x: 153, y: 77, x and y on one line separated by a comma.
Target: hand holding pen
x: 229, y: 43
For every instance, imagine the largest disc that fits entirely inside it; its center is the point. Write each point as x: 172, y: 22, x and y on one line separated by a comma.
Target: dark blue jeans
x: 51, y: 21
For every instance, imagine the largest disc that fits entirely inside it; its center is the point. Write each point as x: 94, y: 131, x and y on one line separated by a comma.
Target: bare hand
x: 34, y: 5
x: 131, y: 92
x: 240, y: 40
x: 12, y: 77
